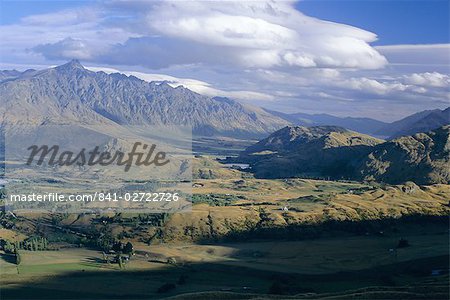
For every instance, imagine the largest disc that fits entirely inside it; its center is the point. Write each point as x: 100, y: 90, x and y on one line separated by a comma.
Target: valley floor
x: 319, y: 267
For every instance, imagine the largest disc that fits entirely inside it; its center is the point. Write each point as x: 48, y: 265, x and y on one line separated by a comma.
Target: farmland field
x: 240, y: 268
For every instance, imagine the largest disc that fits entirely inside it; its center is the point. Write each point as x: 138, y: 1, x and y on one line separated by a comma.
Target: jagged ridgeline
x: 71, y: 93
x: 336, y: 153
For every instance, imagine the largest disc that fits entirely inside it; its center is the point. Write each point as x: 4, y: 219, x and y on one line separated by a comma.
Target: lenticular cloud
x: 266, y: 34
x: 249, y: 34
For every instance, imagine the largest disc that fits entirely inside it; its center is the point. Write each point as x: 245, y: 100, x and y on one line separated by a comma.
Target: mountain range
x: 71, y: 93
x: 418, y: 122
x: 338, y: 153
x: 362, y: 125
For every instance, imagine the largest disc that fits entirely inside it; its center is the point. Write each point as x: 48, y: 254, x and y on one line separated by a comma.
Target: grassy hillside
x: 422, y: 158
x: 333, y: 152
x: 231, y: 205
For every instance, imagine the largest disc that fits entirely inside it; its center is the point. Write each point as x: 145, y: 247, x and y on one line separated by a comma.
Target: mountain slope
x: 420, y: 122
x: 321, y: 151
x: 292, y: 137
x: 333, y: 152
x: 72, y: 93
x: 422, y: 158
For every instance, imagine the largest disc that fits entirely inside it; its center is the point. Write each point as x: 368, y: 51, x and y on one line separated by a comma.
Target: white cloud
x: 68, y: 47
x: 250, y: 34
x: 373, y: 86
x: 266, y: 33
x: 197, y: 86
x: 71, y: 33
x: 432, y: 54
x: 432, y: 79
x: 63, y: 18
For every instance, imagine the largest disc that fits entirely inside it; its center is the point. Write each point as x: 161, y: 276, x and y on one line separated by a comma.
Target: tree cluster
x: 31, y: 244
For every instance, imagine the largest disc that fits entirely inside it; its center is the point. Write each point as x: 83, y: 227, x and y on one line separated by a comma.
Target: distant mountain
x: 8, y: 74
x: 12, y: 74
x: 363, y: 125
x: 337, y: 153
x: 71, y: 93
x: 420, y: 122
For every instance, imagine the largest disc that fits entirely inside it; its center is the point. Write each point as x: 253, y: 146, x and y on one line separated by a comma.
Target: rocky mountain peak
x: 74, y: 64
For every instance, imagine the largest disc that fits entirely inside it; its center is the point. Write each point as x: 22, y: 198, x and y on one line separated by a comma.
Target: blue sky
x: 12, y: 10
x: 382, y: 59
x: 395, y: 22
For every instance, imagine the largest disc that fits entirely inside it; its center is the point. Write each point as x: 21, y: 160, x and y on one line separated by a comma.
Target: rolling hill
x: 423, y: 158
x: 316, y: 152
x: 333, y: 152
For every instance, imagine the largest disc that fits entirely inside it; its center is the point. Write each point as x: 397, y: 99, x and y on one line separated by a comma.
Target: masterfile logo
x: 97, y: 167
x: 146, y: 157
